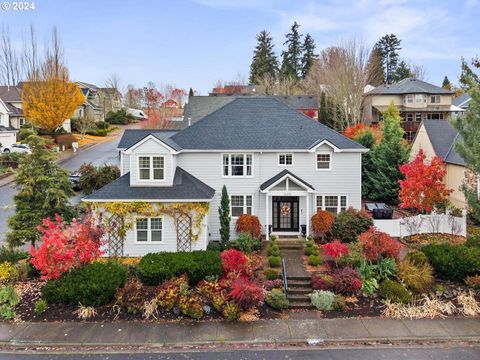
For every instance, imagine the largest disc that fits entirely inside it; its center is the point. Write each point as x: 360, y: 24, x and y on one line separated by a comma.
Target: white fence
x: 421, y: 224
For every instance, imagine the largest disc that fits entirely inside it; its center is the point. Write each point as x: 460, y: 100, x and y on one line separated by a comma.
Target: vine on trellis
x: 127, y: 211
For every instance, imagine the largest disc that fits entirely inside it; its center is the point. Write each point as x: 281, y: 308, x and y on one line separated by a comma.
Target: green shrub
x: 276, y: 299
x: 11, y: 255
x: 473, y: 241
x: 40, y: 307
x: 394, y: 291
x: 154, y: 268
x: 214, y: 246
x: 231, y: 312
x: 351, y: 223
x: 314, y: 260
x: 91, y: 285
x: 354, y: 256
x: 311, y: 250
x: 119, y: 117
x: 247, y: 243
x: 322, y: 299
x: 310, y: 244
x: 8, y: 272
x: 23, y: 269
x: 417, y: 258
x: 273, y: 238
x: 274, y: 261
x: 453, y: 262
x: 271, y: 274
x: 273, y: 250
x: 102, y: 125
x: 8, y: 300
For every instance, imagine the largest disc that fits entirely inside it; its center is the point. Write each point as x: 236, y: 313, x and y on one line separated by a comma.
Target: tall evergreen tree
x: 388, y: 47
x: 381, y: 174
x: 224, y: 216
x: 468, y: 126
x: 446, y: 84
x: 43, y: 190
x: 190, y: 93
x: 308, y: 56
x: 402, y: 71
x: 292, y: 56
x: 264, y: 61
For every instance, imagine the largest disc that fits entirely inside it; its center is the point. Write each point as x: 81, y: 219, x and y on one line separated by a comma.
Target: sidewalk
x: 267, y: 331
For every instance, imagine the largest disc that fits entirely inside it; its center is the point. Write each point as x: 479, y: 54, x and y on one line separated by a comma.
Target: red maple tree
x: 423, y: 186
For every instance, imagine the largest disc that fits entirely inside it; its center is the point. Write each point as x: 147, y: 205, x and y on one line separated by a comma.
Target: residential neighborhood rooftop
x: 408, y: 86
x: 442, y: 135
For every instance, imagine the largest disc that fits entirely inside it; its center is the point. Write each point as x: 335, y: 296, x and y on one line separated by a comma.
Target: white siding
x: 126, y: 163
x: 151, y: 147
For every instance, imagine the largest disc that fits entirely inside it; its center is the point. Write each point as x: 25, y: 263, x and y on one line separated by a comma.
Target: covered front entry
x: 285, y: 213
x: 287, y: 204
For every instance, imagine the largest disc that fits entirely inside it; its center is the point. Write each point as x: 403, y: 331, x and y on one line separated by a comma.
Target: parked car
x: 19, y: 148
x: 137, y: 114
x: 75, y: 180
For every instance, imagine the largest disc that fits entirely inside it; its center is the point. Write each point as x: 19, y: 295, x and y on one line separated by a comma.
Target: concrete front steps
x: 298, y: 289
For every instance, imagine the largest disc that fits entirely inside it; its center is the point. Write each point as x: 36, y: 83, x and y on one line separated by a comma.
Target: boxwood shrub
x: 154, y: 268
x: 91, y: 285
x: 453, y: 262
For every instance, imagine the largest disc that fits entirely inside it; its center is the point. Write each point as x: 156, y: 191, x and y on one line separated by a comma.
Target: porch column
x: 267, y: 235
x: 307, y: 213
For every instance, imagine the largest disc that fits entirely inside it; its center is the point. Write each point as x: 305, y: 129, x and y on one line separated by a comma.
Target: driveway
x: 103, y: 153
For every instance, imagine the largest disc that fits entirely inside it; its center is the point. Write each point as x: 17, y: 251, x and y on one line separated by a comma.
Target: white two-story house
x: 275, y: 162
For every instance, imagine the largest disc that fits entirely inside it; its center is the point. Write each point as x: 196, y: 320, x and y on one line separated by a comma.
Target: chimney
x: 189, y: 121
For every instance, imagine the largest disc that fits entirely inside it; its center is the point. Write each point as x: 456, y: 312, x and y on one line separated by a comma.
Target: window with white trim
x: 420, y: 98
x: 21, y: 121
x: 324, y: 161
x: 409, y: 99
x: 285, y: 159
x: 332, y: 203
x: 435, y: 99
x: 240, y: 204
x: 237, y: 165
x: 148, y: 229
x: 151, y: 167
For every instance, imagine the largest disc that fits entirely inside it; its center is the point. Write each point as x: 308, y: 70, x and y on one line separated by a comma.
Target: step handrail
x: 284, y: 275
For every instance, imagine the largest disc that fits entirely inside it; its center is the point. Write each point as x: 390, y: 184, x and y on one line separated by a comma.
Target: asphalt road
x: 104, y: 153
x: 410, y: 353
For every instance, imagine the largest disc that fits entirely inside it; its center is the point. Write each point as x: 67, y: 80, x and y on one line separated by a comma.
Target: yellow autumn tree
x: 50, y: 98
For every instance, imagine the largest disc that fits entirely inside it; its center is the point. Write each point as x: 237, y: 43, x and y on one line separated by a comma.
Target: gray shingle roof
x: 7, y: 128
x: 256, y: 123
x: 10, y: 93
x: 132, y: 136
x: 409, y: 86
x: 199, y: 107
x: 281, y: 174
x: 185, y: 187
x: 442, y: 135
x: 462, y: 100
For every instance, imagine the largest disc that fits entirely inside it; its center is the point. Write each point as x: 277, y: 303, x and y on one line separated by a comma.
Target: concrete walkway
x: 265, y: 331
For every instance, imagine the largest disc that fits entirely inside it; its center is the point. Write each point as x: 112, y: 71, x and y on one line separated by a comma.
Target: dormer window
x: 151, y: 167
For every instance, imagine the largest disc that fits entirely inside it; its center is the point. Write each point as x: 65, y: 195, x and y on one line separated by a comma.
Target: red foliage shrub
x: 355, y: 131
x: 424, y: 185
x: 65, y: 247
x: 322, y: 222
x: 249, y: 224
x: 335, y: 249
x: 347, y: 281
x: 234, y: 261
x: 246, y: 293
x: 322, y: 282
x: 377, y: 244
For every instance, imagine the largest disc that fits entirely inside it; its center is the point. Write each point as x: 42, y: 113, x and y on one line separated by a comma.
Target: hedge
x: 154, y: 268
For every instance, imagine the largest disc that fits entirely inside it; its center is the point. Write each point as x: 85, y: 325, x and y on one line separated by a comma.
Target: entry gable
x: 286, y: 181
x: 150, y: 140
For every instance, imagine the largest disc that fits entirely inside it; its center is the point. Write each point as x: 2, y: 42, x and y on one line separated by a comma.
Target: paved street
x: 104, y: 153
x: 417, y: 353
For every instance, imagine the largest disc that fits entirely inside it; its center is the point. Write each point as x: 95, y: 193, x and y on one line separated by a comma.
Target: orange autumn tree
x: 423, y: 186
x: 50, y: 98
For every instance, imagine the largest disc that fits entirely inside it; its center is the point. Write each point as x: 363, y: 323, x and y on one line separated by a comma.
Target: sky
x: 198, y: 42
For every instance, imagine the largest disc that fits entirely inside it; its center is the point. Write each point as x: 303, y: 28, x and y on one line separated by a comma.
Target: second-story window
x: 435, y: 99
x: 324, y: 161
x: 285, y: 159
x: 237, y: 165
x: 420, y: 99
x: 409, y: 99
x: 151, y: 167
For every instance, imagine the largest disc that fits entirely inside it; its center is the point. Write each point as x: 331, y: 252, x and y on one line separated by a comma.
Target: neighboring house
x: 200, y: 106
x: 170, y: 104
x: 98, y: 101
x: 438, y: 138
x: 10, y: 114
x: 416, y: 100
x: 276, y: 163
x: 462, y: 103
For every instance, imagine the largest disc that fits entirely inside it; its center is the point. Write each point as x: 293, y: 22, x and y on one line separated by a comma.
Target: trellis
x: 115, y: 237
x: 184, y: 237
